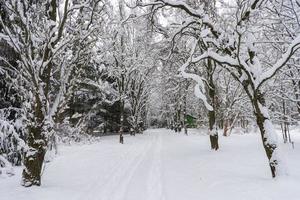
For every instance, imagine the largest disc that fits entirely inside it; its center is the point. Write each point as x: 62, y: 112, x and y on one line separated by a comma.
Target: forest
x: 111, y: 95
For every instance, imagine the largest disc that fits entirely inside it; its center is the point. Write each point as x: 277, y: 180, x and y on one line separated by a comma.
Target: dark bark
x: 121, y: 137
x: 34, y: 157
x: 121, y: 122
x: 213, y: 134
x: 270, y: 147
x: 284, y: 124
x: 185, y: 109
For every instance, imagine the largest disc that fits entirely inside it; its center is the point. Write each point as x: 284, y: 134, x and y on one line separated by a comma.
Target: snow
x: 294, y: 46
x: 5, y: 167
x: 199, y: 90
x: 270, y: 131
x: 162, y: 165
x: 224, y: 59
x: 177, y: 3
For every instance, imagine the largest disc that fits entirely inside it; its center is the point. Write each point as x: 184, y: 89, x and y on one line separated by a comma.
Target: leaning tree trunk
x: 34, y: 157
x: 268, y: 135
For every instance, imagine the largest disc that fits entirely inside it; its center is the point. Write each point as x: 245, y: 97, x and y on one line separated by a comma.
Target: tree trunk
x: 213, y: 134
x: 268, y: 135
x: 136, y: 125
x: 34, y: 157
x: 226, y: 127
x: 37, y: 143
x: 185, y: 109
x: 121, y: 139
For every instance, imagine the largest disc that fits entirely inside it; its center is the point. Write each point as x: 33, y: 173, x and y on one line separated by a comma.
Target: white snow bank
x: 163, y: 165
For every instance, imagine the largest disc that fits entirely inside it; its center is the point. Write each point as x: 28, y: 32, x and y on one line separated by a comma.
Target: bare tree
x: 52, y: 39
x: 234, y: 48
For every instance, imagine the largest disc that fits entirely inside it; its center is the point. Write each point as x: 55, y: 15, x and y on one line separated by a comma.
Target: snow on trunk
x: 268, y: 135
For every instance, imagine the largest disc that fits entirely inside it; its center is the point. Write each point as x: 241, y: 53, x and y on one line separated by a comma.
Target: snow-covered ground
x: 162, y: 165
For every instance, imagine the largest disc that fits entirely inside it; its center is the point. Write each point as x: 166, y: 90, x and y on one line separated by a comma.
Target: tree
x: 234, y: 104
x: 130, y: 66
x: 235, y: 49
x: 52, y: 39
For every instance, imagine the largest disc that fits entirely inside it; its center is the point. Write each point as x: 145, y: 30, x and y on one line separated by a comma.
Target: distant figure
x: 121, y: 139
x: 121, y: 136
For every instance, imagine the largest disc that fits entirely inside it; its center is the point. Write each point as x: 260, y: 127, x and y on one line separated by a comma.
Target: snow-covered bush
x: 12, y: 145
x: 68, y: 134
x: 5, y: 167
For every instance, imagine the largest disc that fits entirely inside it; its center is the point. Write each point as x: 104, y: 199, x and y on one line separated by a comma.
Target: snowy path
x: 161, y: 165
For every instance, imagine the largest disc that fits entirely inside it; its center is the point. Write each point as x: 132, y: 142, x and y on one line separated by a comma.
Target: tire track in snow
x: 128, y: 174
x: 154, y: 181
x: 120, y: 175
x: 100, y: 180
